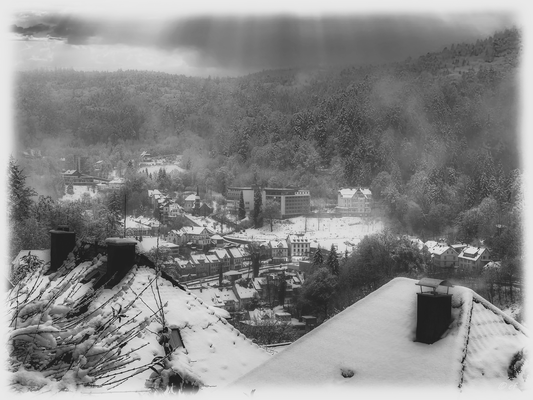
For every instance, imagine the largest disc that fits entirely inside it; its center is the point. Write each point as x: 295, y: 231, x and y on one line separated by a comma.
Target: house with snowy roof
x: 279, y: 250
x: 443, y: 256
x: 201, y: 264
x: 299, y: 245
x: 222, y: 297
x: 236, y: 258
x: 354, y: 201
x: 112, y: 322
x: 473, y: 257
x: 223, y: 256
x: 244, y: 295
x: 408, y: 334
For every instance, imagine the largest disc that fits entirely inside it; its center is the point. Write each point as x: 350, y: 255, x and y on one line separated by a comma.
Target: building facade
x: 354, y: 201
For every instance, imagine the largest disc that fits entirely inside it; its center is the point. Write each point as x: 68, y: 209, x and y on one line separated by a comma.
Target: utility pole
x: 125, y: 215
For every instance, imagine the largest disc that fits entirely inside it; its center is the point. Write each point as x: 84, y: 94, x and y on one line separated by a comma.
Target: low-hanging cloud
x: 263, y: 42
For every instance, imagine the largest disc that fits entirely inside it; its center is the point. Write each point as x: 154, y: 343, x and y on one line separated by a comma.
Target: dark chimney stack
x: 120, y: 258
x: 434, y: 310
x: 62, y: 241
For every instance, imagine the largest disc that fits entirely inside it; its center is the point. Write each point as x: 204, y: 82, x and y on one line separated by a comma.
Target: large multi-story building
x: 233, y: 198
x: 292, y: 201
x: 356, y: 201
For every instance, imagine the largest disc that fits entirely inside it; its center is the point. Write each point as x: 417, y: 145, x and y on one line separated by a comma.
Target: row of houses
x: 462, y: 256
x: 169, y: 208
x: 260, y: 290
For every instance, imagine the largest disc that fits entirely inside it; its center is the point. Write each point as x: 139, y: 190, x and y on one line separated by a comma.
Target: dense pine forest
x: 435, y: 138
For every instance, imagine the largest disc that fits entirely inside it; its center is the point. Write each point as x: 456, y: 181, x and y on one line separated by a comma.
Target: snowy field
x: 155, y: 168
x: 344, y: 233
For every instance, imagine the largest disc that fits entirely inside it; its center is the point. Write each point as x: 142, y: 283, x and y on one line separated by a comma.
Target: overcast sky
x: 236, y: 41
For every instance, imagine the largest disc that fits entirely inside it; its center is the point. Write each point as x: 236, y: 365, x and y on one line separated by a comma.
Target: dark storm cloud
x: 284, y: 41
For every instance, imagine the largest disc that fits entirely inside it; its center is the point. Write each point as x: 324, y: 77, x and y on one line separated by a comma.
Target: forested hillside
x: 436, y: 138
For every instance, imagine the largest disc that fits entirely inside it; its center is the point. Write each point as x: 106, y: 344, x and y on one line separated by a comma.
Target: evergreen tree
x: 333, y: 261
x: 257, y: 214
x: 70, y: 188
x: 242, y: 210
x: 318, y: 259
x: 19, y: 194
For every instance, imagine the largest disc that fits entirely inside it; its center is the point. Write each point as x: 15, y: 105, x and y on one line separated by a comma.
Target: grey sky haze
x: 236, y: 43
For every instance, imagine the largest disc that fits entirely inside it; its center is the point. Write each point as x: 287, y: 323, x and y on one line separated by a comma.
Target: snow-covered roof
x: 348, y: 193
x: 191, y: 197
x: 472, y: 253
x: 215, y: 296
x: 235, y: 252
x: 214, y: 352
x: 279, y: 244
x: 244, y: 293
x: 298, y: 239
x: 430, y: 244
x: 220, y: 253
x: 374, y: 342
x: 197, y: 258
x: 439, y: 249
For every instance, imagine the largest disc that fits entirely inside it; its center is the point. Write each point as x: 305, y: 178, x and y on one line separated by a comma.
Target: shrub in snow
x: 59, y: 339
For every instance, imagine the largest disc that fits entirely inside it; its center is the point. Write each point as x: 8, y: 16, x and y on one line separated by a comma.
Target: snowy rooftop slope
x: 374, y: 339
x: 215, y: 353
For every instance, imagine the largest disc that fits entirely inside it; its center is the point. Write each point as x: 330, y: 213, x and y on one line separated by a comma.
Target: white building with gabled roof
x: 299, y: 245
x: 473, y: 257
x: 354, y: 201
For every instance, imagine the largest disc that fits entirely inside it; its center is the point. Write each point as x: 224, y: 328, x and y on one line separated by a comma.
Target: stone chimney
x: 434, y: 310
x: 120, y: 259
x: 62, y: 241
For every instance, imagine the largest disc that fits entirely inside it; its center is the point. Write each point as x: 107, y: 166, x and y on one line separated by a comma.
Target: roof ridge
x: 507, y: 318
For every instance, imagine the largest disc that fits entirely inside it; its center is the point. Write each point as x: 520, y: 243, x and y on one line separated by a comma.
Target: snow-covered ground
x: 344, y: 233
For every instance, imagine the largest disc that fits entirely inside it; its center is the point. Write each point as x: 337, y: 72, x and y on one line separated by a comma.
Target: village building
x: 244, y: 295
x: 189, y: 202
x: 222, y: 297
x: 292, y: 201
x: 299, y: 245
x: 174, y: 209
x: 354, y: 201
x: 76, y: 178
x: 201, y: 264
x: 279, y: 250
x: 443, y: 256
x: 236, y: 258
x: 473, y: 257
x: 233, y: 198
x: 223, y: 256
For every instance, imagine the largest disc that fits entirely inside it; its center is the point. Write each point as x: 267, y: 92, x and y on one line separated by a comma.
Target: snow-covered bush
x: 60, y: 338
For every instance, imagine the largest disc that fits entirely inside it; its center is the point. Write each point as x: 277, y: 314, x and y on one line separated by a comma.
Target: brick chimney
x: 434, y: 310
x: 62, y: 241
x: 120, y: 259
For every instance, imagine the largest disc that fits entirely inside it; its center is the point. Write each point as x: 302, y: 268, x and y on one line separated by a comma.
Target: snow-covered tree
x: 333, y: 261
x: 19, y: 201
